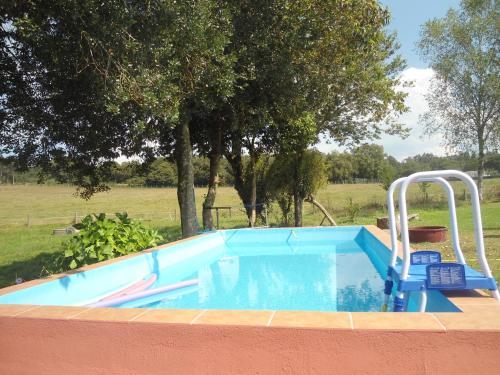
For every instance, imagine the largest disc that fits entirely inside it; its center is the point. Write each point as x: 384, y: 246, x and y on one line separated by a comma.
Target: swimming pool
x: 315, y: 269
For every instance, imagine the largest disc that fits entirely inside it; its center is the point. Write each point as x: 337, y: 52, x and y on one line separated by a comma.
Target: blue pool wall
x: 87, y: 286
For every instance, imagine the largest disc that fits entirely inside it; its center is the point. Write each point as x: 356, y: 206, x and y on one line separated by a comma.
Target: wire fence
x: 223, y: 217
x: 231, y: 216
x: 31, y: 219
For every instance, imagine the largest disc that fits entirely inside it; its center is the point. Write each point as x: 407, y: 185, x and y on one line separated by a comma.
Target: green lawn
x: 24, y: 250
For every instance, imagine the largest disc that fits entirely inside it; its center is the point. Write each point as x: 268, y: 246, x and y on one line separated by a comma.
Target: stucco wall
x: 51, y: 346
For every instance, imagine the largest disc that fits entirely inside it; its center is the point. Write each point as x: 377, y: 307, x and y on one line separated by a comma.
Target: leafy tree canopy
x: 464, y: 106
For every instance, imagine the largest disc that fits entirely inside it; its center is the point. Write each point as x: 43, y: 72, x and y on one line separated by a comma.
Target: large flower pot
x: 428, y: 234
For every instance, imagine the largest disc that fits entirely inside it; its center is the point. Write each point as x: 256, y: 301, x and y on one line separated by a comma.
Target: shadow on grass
x: 35, y: 267
x: 27, y: 269
x: 169, y: 234
x: 490, y: 227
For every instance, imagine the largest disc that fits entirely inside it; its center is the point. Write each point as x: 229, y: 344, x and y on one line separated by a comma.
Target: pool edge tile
x: 480, y: 308
x: 52, y: 312
x: 396, y: 321
x: 108, y: 314
x: 182, y: 316
x: 485, y: 320
x: 234, y: 317
x: 15, y: 310
x: 385, y: 238
x: 311, y: 319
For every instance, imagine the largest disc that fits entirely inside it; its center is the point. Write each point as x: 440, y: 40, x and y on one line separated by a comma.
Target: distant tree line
x: 366, y: 163
x: 163, y: 173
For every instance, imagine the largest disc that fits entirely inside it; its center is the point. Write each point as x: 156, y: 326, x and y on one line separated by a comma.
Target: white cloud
x: 415, y: 143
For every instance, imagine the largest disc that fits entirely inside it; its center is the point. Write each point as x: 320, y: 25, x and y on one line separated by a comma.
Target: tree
x: 369, y: 160
x: 87, y: 81
x: 280, y: 187
x: 201, y: 168
x: 387, y: 175
x: 84, y: 82
x: 493, y: 162
x: 308, y: 177
x: 120, y: 173
x: 462, y: 49
x: 53, y: 110
x: 188, y: 70
x: 161, y: 173
x: 311, y: 68
x: 207, y: 135
x: 294, y: 138
x: 225, y: 173
x: 341, y: 167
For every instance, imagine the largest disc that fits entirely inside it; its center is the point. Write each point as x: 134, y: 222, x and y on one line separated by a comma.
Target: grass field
x: 24, y: 250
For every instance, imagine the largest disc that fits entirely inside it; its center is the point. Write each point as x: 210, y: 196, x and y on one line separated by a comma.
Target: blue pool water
x: 320, y: 269
x: 321, y: 279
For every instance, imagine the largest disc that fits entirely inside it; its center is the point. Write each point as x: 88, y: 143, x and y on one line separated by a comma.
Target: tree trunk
x: 185, y: 175
x: 480, y: 168
x: 298, y: 199
x: 236, y: 162
x: 253, y: 189
x: 212, y: 191
x: 298, y: 203
x: 246, y: 188
x: 247, y: 194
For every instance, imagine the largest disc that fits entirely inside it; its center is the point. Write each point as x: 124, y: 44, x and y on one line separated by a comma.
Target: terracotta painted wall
x: 41, y: 346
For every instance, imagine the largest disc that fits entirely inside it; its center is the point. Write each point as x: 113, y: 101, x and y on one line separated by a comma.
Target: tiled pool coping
x: 480, y: 312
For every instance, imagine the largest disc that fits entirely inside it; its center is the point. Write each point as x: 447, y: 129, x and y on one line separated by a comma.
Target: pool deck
x: 465, y: 341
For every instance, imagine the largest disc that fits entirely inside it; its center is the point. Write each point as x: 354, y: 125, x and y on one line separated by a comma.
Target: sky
x: 407, y: 16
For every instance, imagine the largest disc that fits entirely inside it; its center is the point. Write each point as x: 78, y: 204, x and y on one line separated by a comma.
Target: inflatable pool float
x: 143, y: 293
x: 134, y: 288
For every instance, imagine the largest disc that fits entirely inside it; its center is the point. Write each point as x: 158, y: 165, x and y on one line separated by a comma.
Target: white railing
x: 476, y: 214
x: 439, y: 178
x: 452, y: 212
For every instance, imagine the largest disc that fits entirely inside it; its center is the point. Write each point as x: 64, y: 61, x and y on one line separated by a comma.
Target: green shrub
x: 102, y: 238
x: 387, y: 176
x: 424, y: 189
x: 352, y: 209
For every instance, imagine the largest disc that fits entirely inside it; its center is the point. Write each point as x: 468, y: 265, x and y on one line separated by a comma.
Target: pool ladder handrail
x: 452, y: 214
x: 436, y: 177
x: 393, y: 229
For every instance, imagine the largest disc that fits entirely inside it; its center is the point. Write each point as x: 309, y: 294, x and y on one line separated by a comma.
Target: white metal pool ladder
x: 423, y: 270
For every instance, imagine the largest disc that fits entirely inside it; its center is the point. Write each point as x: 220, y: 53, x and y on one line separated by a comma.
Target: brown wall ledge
x: 73, y: 346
